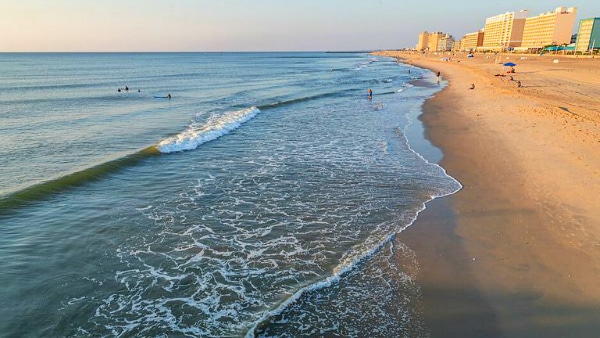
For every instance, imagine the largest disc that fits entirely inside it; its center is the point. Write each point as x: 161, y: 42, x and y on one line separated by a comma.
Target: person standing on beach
x: 438, y: 77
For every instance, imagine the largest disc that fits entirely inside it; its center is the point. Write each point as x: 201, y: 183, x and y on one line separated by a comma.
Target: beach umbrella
x: 510, y: 64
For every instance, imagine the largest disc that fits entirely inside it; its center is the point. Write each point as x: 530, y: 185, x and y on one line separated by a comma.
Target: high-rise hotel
x: 551, y: 28
x: 504, y: 31
x: 436, y: 41
x: 471, y: 41
x: 589, y: 35
x: 515, y: 31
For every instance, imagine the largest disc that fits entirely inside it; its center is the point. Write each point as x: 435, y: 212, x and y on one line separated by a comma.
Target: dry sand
x: 516, y: 252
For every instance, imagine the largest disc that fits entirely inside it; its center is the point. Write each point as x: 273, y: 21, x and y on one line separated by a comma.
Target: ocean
x: 261, y: 199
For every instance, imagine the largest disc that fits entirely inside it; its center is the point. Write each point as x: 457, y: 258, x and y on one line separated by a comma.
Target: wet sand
x: 515, y: 253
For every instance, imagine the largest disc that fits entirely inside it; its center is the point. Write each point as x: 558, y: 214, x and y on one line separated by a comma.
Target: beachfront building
x: 471, y: 41
x: 458, y: 45
x: 551, y: 28
x: 588, y: 36
x: 445, y: 43
x: 504, y: 31
x: 423, y: 41
x: 435, y: 42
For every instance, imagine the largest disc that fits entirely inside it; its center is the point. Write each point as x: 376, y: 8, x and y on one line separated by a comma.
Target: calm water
x: 260, y: 200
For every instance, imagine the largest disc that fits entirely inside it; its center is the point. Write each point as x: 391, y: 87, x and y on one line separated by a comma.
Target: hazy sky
x: 247, y: 25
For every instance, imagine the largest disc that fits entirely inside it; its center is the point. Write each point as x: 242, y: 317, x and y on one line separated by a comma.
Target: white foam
x: 215, y: 127
x: 350, y: 262
x: 379, y: 106
x: 363, y: 65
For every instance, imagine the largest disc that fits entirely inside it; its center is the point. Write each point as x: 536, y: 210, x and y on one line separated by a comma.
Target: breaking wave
x: 199, y: 133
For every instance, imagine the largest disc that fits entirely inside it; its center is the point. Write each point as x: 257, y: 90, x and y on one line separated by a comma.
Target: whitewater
x: 262, y: 199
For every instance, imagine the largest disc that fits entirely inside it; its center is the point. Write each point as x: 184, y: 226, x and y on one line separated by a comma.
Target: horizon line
x: 231, y: 51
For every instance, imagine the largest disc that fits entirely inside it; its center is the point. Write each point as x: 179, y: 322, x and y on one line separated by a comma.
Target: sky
x: 247, y: 25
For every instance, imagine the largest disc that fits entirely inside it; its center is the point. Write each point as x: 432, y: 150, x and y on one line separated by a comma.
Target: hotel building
x: 504, y: 31
x: 588, y: 37
x: 435, y: 42
x: 423, y: 41
x: 445, y: 43
x: 457, y: 45
x: 552, y: 28
x: 471, y: 41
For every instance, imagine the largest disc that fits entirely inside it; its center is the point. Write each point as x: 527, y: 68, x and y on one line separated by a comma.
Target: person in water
x: 370, y: 93
x: 169, y: 96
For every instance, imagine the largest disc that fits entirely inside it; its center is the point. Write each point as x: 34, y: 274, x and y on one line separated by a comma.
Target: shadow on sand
x: 452, y: 304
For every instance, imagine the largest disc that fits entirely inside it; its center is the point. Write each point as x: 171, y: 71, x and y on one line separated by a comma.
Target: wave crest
x: 197, y: 134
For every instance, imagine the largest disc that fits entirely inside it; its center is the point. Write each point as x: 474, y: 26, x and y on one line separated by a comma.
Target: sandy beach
x: 515, y: 253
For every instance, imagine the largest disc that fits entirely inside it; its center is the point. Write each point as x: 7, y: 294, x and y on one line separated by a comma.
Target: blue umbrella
x: 510, y: 64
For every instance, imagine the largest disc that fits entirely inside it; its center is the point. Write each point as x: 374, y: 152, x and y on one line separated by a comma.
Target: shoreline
x: 516, y: 252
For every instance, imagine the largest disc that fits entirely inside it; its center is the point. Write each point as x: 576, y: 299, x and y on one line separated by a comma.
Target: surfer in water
x: 370, y: 93
x: 163, y: 97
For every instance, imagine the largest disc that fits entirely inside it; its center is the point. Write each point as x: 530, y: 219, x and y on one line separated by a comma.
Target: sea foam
x: 215, y: 127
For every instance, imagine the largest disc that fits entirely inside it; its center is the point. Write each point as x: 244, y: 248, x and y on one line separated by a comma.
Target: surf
x: 197, y: 134
x: 189, y: 139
